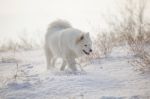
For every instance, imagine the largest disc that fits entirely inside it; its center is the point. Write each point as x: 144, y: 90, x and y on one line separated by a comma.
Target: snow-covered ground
x: 23, y: 75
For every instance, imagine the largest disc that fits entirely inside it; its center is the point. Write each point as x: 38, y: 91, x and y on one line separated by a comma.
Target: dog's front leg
x: 72, y: 64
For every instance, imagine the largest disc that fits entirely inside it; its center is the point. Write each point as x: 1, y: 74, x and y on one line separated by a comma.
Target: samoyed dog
x: 65, y: 42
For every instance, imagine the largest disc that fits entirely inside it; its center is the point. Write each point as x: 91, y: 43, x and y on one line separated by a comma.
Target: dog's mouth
x: 85, y: 52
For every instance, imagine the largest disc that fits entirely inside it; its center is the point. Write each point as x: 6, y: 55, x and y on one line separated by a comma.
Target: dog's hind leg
x: 63, y: 65
x: 49, y: 57
x: 53, y: 61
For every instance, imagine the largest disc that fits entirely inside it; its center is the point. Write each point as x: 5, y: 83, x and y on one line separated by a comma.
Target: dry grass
x: 134, y: 31
x: 104, y: 44
x: 21, y: 44
x: 139, y: 46
x: 138, y: 42
x: 142, y: 62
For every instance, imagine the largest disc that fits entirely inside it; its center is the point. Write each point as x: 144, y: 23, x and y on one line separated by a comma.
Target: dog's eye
x: 85, y: 45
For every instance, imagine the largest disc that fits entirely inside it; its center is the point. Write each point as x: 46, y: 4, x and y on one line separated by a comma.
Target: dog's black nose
x: 90, y: 50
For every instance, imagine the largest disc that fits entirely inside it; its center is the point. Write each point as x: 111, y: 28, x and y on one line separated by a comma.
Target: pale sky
x: 33, y: 16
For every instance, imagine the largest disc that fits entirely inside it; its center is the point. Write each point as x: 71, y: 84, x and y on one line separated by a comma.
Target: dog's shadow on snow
x: 67, y: 73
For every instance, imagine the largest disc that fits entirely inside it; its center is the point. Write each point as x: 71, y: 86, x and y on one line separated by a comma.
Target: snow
x: 23, y: 75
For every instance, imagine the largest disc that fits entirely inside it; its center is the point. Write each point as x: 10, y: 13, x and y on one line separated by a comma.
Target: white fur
x: 64, y: 41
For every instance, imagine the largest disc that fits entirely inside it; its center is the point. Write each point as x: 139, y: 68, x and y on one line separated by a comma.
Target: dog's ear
x: 80, y: 38
x: 87, y: 34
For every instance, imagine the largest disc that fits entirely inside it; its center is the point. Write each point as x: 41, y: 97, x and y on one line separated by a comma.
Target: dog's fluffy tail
x: 59, y: 25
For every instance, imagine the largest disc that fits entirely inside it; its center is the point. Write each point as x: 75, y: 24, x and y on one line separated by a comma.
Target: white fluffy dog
x: 64, y: 41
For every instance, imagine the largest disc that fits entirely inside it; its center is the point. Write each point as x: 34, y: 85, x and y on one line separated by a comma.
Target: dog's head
x: 84, y: 44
